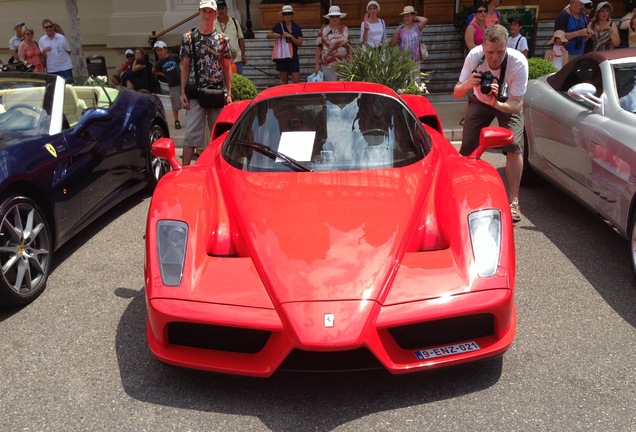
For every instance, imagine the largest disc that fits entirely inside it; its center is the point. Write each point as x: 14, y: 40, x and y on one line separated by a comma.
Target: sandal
x: 177, y: 124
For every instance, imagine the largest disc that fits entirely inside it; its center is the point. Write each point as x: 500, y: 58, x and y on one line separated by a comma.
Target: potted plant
x: 307, y: 13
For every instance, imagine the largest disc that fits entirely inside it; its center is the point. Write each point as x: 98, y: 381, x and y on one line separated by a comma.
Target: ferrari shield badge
x: 329, y: 319
x: 51, y: 150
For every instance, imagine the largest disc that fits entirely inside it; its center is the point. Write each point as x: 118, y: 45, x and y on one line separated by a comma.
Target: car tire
x: 25, y: 250
x: 157, y: 167
x: 632, y: 241
x: 528, y: 177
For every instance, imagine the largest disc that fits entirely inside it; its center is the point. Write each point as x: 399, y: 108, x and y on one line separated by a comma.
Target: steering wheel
x: 27, y: 106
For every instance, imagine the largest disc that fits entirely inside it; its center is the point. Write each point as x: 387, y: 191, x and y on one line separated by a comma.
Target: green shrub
x: 242, y: 88
x: 539, y: 67
x: 387, y: 65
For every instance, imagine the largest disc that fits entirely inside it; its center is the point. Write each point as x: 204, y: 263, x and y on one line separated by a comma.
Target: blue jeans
x: 239, y: 67
x: 66, y: 74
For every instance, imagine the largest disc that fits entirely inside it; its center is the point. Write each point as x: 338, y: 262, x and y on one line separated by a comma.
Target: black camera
x: 487, y: 78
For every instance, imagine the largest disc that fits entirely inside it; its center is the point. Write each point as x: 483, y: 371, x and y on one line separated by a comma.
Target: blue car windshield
x: 326, y: 132
x: 24, y: 107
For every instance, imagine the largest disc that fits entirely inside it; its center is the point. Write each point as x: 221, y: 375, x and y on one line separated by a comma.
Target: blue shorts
x: 291, y: 66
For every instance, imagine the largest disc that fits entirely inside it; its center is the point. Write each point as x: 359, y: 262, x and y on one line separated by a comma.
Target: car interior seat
x: 73, y: 105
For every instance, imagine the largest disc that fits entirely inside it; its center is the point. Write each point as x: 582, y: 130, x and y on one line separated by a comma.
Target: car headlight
x: 172, y: 237
x: 485, y: 237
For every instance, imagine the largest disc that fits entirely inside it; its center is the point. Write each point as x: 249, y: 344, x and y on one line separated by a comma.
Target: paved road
x: 76, y: 359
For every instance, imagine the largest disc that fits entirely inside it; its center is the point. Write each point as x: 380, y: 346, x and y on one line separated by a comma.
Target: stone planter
x: 306, y: 15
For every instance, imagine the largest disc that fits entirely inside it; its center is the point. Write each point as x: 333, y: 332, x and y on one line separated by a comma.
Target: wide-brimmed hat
x: 160, y: 44
x: 603, y: 4
x: 334, y: 11
x: 559, y: 34
x: 373, y: 3
x: 408, y: 10
x: 286, y: 9
x: 207, y: 4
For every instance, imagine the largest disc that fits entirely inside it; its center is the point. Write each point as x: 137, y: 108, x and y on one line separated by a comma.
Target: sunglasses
x: 48, y: 26
x: 482, y: 11
x: 287, y: 13
x: 130, y: 55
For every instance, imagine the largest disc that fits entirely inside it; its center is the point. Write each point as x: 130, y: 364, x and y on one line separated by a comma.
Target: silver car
x: 580, y: 130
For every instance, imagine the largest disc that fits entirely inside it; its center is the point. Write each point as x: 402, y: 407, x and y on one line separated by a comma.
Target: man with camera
x: 497, y: 76
x: 573, y: 21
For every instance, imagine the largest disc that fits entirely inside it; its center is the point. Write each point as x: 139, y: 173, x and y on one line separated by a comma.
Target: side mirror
x: 585, y: 92
x: 164, y: 148
x: 491, y: 137
x: 91, y: 116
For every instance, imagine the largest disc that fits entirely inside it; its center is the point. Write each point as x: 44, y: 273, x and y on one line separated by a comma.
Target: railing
x: 152, y: 38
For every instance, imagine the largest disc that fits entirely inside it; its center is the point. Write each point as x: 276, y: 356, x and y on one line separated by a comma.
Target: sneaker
x: 515, y: 212
x: 177, y: 124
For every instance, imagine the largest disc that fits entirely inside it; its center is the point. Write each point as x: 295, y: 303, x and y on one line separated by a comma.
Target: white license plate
x: 446, y: 350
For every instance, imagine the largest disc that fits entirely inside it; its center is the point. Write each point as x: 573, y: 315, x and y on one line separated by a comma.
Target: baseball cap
x: 160, y: 44
x: 221, y: 3
x: 207, y: 4
x: 129, y: 51
x: 18, y: 24
x: 515, y: 19
x: 585, y: 1
x: 601, y: 5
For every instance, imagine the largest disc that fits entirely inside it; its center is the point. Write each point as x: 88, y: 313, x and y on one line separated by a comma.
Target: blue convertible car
x: 68, y: 153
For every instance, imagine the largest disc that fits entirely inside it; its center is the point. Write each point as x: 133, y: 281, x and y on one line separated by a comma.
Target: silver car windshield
x: 625, y: 78
x: 321, y: 132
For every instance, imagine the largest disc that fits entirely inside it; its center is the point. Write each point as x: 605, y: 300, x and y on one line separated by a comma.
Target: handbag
x: 212, y: 95
x: 423, y: 51
x: 283, y: 49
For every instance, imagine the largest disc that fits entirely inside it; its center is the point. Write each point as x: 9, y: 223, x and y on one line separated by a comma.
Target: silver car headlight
x: 485, y: 237
x: 172, y: 238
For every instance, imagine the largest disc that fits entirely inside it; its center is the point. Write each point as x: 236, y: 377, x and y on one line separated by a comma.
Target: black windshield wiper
x: 270, y: 152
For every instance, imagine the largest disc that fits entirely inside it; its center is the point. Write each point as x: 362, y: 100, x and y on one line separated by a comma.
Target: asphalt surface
x: 76, y: 359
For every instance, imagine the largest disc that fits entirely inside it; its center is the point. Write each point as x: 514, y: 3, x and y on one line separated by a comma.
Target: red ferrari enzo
x: 329, y: 226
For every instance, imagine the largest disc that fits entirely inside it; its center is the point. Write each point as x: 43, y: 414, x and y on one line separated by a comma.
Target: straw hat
x: 408, y: 10
x: 373, y: 3
x: 286, y: 9
x: 334, y: 11
x: 559, y: 34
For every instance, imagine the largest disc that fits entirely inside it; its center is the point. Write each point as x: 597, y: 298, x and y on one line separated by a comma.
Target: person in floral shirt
x: 212, y: 52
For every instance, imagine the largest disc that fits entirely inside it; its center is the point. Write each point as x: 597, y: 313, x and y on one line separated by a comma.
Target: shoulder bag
x: 283, y: 50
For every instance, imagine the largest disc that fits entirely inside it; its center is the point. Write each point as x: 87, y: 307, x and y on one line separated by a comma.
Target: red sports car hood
x: 326, y: 236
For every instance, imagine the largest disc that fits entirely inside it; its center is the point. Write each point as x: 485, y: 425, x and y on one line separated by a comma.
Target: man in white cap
x: 210, y: 51
x: 230, y: 27
x: 129, y: 56
x: 169, y: 67
x: 573, y: 21
x: 15, y: 40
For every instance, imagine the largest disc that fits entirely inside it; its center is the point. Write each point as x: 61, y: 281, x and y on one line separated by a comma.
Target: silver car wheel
x: 25, y: 250
x: 158, y: 166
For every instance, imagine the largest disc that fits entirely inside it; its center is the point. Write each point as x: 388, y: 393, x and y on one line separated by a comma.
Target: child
x: 557, y: 54
x: 168, y: 66
x: 517, y: 40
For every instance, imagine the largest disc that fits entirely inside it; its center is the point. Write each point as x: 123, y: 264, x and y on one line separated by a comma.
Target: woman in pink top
x: 29, y: 51
x: 474, y: 34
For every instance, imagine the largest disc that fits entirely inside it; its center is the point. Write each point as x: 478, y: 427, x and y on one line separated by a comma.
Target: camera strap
x: 504, y: 65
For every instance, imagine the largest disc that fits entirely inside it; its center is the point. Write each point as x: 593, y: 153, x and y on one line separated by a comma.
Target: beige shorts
x: 175, y: 97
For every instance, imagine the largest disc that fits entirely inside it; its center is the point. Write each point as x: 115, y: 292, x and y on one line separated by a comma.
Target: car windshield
x: 34, y: 104
x: 320, y: 132
x: 625, y: 75
x: 23, y: 106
